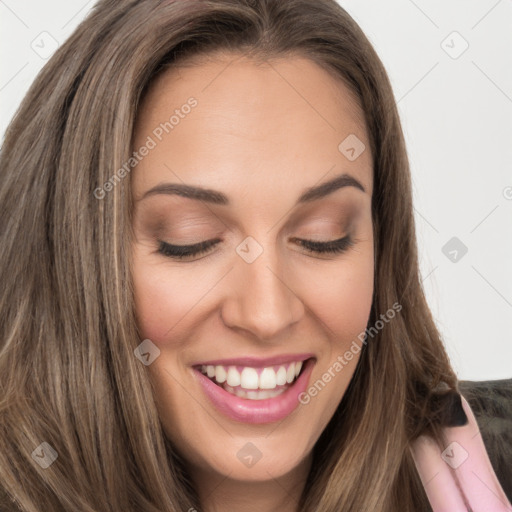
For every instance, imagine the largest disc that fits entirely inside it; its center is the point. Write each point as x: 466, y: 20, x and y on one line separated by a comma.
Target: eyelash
x: 180, y: 252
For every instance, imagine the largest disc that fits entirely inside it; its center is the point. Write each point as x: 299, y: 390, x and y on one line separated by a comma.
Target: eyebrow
x: 216, y: 197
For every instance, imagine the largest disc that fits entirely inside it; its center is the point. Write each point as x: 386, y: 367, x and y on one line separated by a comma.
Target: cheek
x: 349, y: 302
x: 160, y: 302
x: 342, y: 297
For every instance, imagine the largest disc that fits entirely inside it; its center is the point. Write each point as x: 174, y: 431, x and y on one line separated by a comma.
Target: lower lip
x: 257, y: 411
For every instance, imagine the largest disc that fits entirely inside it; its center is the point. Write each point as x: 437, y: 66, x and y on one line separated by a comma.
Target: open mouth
x: 251, y: 391
x: 254, y: 383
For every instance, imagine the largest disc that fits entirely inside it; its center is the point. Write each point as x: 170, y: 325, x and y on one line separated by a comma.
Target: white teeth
x: 220, y: 374
x: 240, y: 393
x: 281, y: 376
x: 268, y: 379
x: 254, y: 379
x: 249, y: 378
x: 254, y: 395
x: 233, y: 377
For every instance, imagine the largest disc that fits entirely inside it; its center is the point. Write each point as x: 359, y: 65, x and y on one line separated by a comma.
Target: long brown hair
x: 68, y: 374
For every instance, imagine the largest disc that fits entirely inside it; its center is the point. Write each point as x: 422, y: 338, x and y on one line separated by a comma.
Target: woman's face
x: 257, y: 307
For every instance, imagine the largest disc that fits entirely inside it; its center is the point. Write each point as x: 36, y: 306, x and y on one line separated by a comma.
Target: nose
x: 262, y: 299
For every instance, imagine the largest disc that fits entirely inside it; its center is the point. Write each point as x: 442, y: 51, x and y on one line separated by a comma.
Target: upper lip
x: 256, y: 361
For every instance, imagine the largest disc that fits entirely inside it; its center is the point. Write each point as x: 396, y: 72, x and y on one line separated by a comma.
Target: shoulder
x: 491, y: 403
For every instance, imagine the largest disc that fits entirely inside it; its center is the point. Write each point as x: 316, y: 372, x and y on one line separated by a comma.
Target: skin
x: 261, y: 133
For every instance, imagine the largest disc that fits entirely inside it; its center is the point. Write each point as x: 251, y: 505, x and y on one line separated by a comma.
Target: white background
x: 456, y: 111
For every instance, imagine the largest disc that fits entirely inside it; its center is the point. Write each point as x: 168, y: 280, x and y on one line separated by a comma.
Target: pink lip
x: 256, y: 362
x: 257, y: 411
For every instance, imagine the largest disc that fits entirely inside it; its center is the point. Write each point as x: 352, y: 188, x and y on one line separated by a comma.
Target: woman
x: 226, y: 311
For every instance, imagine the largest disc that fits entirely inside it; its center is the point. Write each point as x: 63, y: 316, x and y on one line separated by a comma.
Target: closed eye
x: 186, y: 251
x: 331, y: 247
x: 181, y: 252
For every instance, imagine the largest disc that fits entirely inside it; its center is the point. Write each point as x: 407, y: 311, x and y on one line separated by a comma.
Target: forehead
x: 254, y: 123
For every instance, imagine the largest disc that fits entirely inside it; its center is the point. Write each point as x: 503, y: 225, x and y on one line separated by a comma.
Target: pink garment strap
x: 460, y: 478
